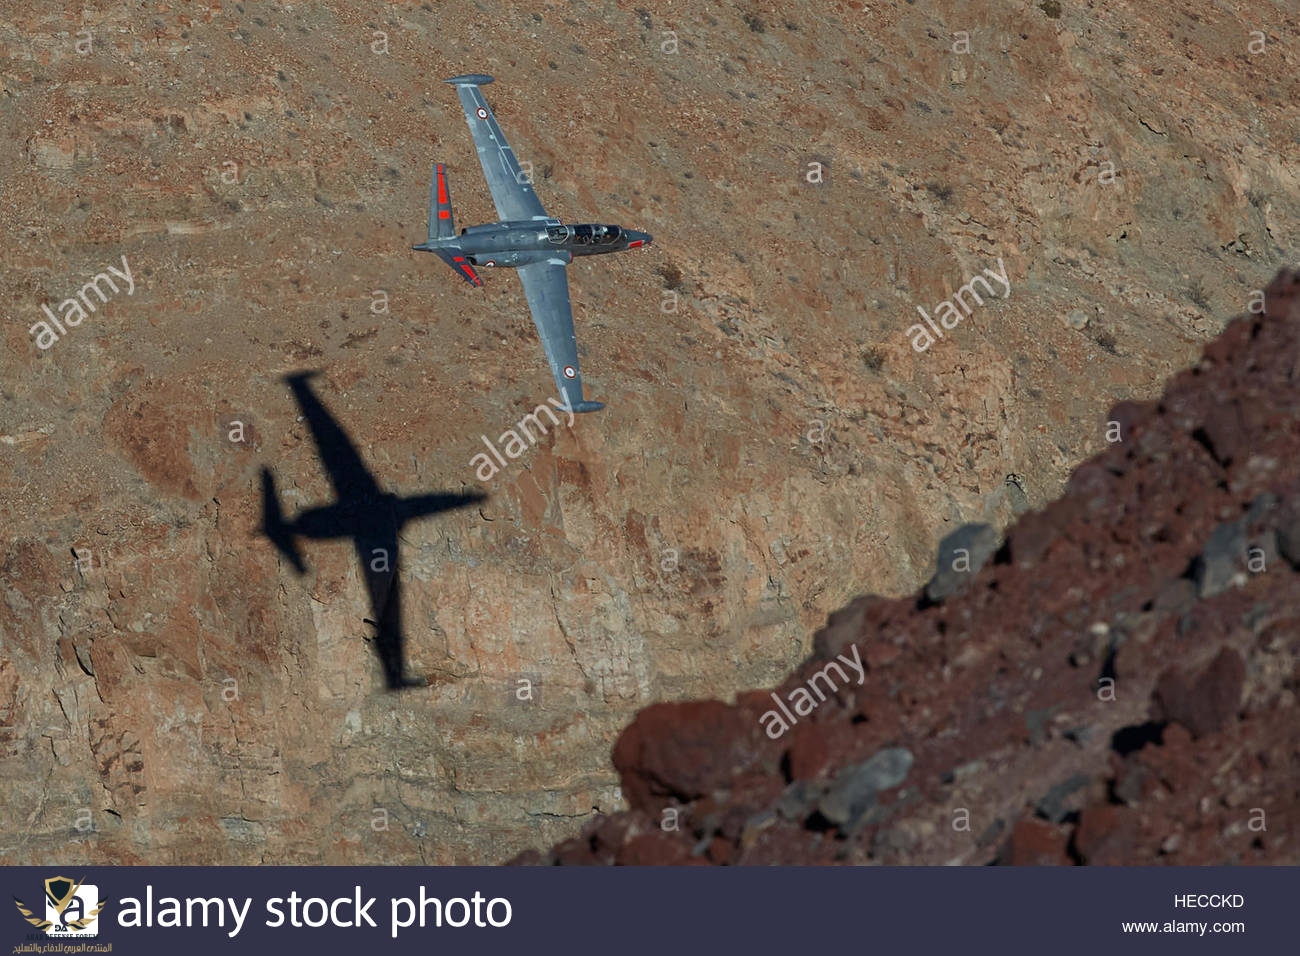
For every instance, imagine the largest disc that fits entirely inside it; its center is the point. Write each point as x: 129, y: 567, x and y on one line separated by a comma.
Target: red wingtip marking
x: 444, y: 213
x: 442, y: 187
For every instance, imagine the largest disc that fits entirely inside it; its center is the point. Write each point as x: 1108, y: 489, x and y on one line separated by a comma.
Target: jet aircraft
x: 364, y: 512
x: 526, y: 239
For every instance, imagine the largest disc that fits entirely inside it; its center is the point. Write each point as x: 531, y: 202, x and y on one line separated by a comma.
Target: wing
x: 511, y: 189
x: 41, y: 924
x: 547, y: 288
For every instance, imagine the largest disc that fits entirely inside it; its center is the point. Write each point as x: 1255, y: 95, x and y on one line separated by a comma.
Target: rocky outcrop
x: 1117, y: 685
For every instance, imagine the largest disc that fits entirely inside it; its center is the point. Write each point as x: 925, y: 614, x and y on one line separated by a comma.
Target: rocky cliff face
x: 1117, y: 685
x: 172, y: 692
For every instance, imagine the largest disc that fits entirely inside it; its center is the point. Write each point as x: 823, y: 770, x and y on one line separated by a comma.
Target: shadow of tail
x: 274, y: 525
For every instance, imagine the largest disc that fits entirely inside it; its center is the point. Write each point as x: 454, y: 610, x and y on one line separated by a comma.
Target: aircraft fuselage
x: 518, y: 243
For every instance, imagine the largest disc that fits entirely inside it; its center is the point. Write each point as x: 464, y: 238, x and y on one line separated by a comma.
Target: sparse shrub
x: 671, y: 275
x: 940, y: 191
x: 873, y: 358
x: 1052, y: 8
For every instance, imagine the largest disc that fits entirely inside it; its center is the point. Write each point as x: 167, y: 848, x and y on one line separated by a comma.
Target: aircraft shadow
x: 363, y: 511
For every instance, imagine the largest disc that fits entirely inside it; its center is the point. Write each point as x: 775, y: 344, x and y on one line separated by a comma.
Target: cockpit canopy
x: 587, y: 234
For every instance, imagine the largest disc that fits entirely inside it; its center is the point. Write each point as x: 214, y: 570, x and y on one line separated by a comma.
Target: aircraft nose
x: 639, y: 239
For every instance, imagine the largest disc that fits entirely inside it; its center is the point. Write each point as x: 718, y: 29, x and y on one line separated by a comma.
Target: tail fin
x: 442, y: 227
x: 273, y: 524
x: 441, y: 223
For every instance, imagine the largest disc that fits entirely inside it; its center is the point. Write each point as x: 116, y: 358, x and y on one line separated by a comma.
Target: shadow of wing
x: 420, y: 506
x: 347, y: 472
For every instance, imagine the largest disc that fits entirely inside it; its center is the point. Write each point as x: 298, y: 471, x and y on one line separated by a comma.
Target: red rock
x: 1206, y: 704
x: 657, y: 848
x: 817, y: 747
x: 1035, y: 842
x: 1104, y: 836
x: 721, y: 851
x: 682, y: 751
x: 1135, y: 782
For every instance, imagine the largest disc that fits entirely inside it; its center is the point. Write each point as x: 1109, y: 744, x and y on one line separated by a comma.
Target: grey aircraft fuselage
x: 517, y: 243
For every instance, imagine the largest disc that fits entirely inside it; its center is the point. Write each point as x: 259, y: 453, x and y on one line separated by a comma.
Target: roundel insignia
x: 482, y: 113
x: 490, y: 262
x: 570, y: 372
